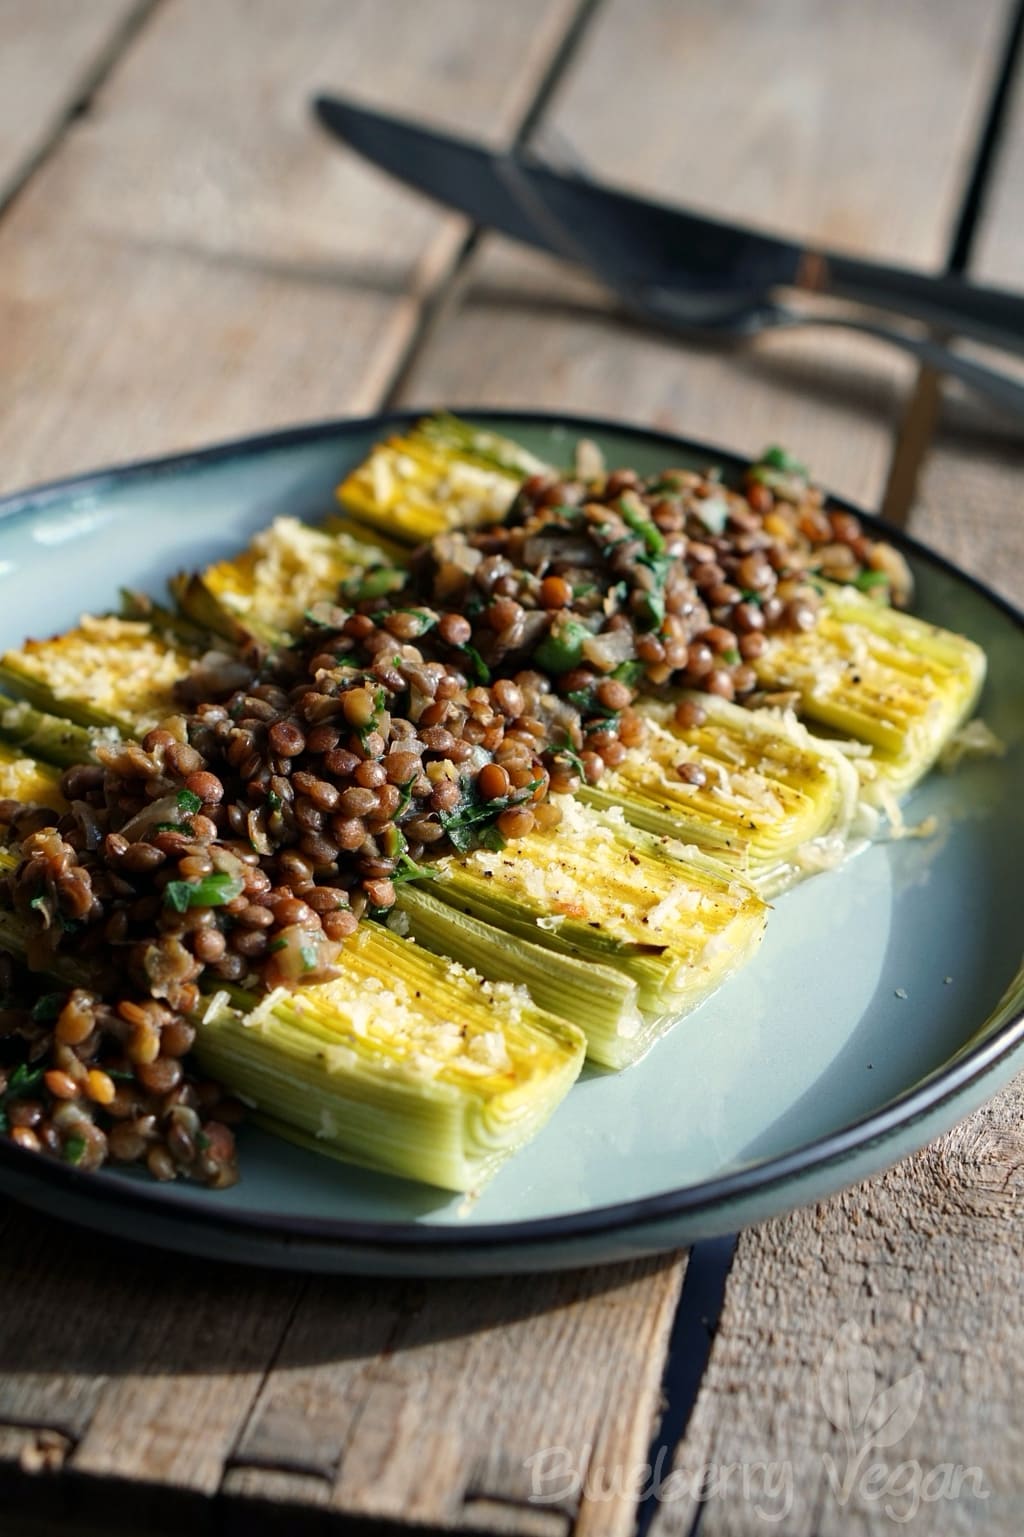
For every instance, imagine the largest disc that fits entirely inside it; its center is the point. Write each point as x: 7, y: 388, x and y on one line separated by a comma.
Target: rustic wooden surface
x: 186, y: 258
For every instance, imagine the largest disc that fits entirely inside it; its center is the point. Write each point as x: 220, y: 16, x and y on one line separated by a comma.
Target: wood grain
x: 136, y: 1360
x: 757, y: 112
x: 50, y: 52
x: 439, y: 1404
x: 199, y: 260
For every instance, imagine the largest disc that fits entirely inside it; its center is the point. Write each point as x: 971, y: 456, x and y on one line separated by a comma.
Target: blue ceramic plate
x: 885, y: 1003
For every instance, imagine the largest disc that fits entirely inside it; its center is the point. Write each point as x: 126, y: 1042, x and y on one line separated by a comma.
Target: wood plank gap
x: 920, y: 419
x: 230, y: 1461
x: 439, y: 300
x: 689, y: 1349
x: 86, y: 88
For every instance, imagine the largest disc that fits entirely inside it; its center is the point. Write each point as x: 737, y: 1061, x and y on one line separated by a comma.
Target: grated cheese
x: 975, y: 739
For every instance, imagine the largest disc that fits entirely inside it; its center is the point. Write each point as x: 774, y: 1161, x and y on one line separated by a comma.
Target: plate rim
x: 920, y: 1101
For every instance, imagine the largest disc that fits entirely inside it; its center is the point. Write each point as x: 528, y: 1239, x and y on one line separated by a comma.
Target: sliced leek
x: 266, y: 590
x: 29, y: 781
x: 775, y: 804
x: 49, y: 737
x: 440, y: 474
x: 104, y: 672
x: 600, y: 1000
x: 883, y: 678
x: 672, y: 921
x: 406, y: 1062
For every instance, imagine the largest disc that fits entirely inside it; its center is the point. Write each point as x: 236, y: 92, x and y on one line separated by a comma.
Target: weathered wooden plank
x: 199, y: 260
x: 195, y: 242
x: 969, y: 502
x: 467, y: 1404
x: 923, y: 1264
x: 101, y: 1337
x: 50, y: 51
x: 783, y: 116
x: 910, y: 1286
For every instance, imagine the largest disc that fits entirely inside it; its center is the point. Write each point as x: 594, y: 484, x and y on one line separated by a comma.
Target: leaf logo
x: 865, y: 1418
x: 846, y: 1380
x: 894, y: 1410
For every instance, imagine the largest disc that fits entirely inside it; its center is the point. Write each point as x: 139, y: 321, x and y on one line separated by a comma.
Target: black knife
x: 632, y: 241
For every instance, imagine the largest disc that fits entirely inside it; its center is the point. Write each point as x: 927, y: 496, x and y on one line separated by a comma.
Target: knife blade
x: 634, y: 241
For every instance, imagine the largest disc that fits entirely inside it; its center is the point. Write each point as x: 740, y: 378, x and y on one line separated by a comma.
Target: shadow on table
x: 80, y: 1304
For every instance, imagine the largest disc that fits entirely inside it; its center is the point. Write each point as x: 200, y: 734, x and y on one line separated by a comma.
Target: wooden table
x: 183, y: 258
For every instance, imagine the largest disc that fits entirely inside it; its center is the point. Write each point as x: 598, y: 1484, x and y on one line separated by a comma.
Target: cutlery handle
x: 949, y: 303
x: 999, y: 388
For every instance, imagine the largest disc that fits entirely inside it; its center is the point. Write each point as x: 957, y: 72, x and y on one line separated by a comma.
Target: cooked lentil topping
x: 240, y: 842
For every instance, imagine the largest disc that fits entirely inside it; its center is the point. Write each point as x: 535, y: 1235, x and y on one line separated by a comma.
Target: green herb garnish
x: 479, y: 668
x: 47, y: 1007
x: 215, y: 890
x: 643, y: 526
x: 865, y: 580
x: 405, y: 798
x: 189, y: 803
x: 377, y: 583
x: 408, y: 870
x: 562, y: 647
x: 22, y: 1081
x: 74, y: 1150
x: 776, y: 458
x: 567, y: 751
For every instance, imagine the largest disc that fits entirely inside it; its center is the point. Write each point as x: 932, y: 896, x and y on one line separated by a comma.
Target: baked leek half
x: 752, y: 788
x: 442, y: 473
x: 662, y: 915
x: 106, y: 671
x: 405, y: 1062
x: 267, y: 590
x: 897, y: 685
x: 27, y: 780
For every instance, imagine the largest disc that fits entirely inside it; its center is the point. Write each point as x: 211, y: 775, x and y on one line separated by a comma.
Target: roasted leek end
x: 753, y: 788
x: 883, y: 678
x: 104, y: 672
x: 267, y: 590
x: 664, y: 915
x: 599, y: 1000
x: 405, y: 1062
x: 441, y: 474
x: 48, y: 737
x: 29, y: 781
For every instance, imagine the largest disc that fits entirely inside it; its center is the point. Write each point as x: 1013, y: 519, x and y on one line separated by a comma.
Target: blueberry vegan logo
x: 873, y: 1419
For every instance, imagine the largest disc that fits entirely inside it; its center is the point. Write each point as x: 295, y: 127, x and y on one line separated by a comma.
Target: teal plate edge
x: 653, y: 1223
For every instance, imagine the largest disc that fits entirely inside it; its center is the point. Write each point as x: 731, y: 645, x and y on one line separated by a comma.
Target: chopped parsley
x: 477, y: 666
x: 408, y: 870
x: 47, y: 1007
x: 643, y: 526
x: 215, y: 890
x: 866, y: 580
